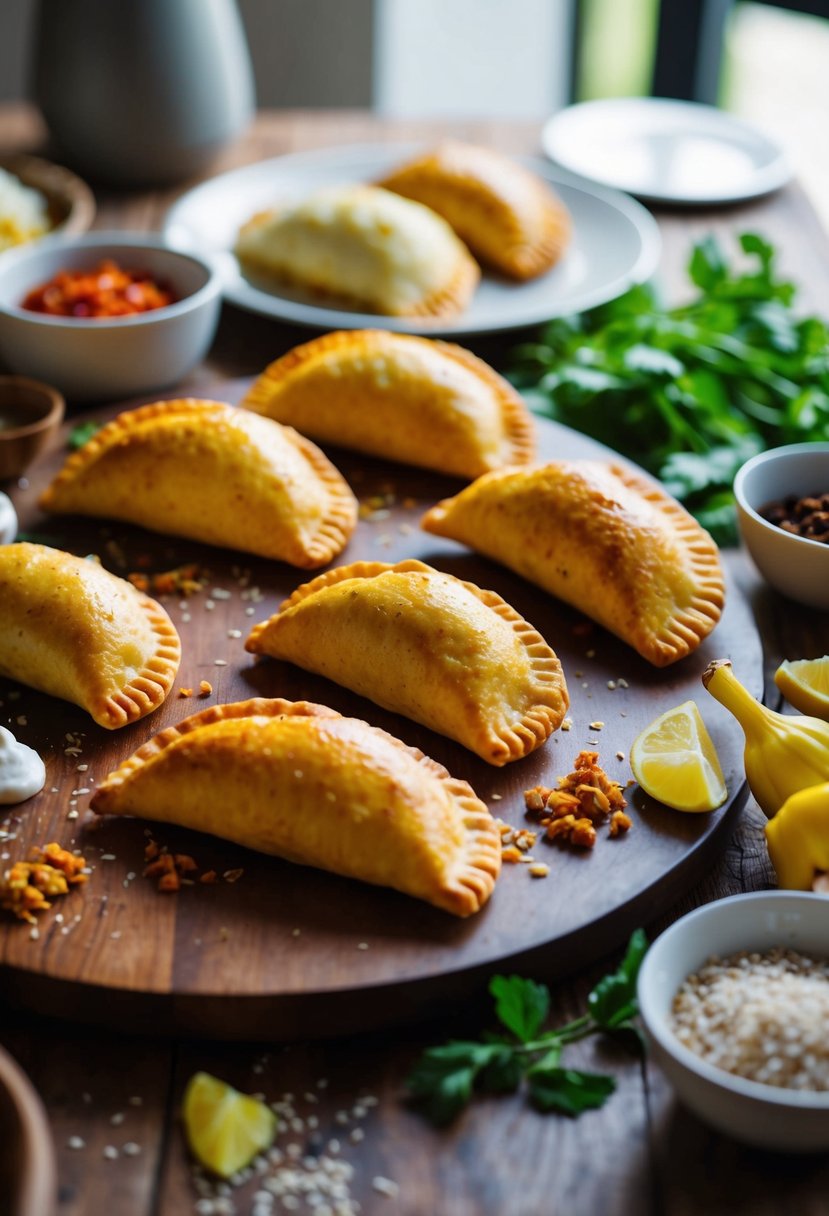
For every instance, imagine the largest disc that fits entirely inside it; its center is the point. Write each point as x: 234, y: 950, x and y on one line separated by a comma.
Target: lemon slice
x: 675, y: 761
x: 225, y: 1129
x: 805, y: 685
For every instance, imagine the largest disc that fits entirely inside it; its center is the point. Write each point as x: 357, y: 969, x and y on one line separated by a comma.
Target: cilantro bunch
x: 690, y: 392
x: 444, y: 1079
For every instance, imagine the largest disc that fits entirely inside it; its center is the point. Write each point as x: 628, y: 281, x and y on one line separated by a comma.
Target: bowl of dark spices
x: 734, y: 998
x: 783, y: 512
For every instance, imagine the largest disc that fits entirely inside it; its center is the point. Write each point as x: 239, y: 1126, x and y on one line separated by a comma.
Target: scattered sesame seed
x: 539, y: 870
x: 72, y: 814
x: 250, y: 611
x: 497, y: 797
x: 110, y: 1152
x: 362, y: 945
x: 22, y: 720
x: 75, y: 1142
x: 135, y: 1100
x: 295, y: 932
x: 622, y: 683
x: 118, y: 1118
x: 108, y: 857
x: 81, y: 768
x: 34, y: 933
x: 385, y: 1186
x: 567, y: 724
x: 131, y: 1149
x: 620, y: 755
x: 219, y: 593
x: 234, y: 633
x: 209, y: 605
x: 220, y: 662
x: 596, y: 725
x: 357, y: 1135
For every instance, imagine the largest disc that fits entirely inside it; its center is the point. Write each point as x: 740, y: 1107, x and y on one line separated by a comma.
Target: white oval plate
x: 665, y: 151
x: 615, y: 244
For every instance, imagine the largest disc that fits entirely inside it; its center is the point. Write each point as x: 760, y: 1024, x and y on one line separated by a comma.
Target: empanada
x: 71, y: 629
x: 364, y: 247
x: 508, y: 216
x: 302, y: 782
x: 212, y: 473
x: 410, y: 399
x: 605, y: 539
x: 425, y: 644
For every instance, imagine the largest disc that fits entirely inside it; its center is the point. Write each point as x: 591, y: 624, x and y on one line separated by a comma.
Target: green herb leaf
x: 82, y: 433
x: 521, y: 1005
x: 444, y: 1076
x: 613, y: 1001
x: 569, y: 1091
x: 735, y: 371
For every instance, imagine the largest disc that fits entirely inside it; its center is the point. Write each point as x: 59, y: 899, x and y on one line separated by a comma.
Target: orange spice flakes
x: 184, y: 580
x: 173, y: 870
x: 50, y: 871
x: 582, y: 801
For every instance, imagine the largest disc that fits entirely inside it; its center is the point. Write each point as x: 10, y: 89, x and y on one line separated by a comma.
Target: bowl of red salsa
x: 106, y: 315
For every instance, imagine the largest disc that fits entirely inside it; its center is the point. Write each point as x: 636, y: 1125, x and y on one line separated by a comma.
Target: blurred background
x: 525, y: 59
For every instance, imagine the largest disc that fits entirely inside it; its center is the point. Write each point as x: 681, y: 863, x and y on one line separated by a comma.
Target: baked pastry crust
x: 605, y: 539
x: 364, y: 247
x: 302, y: 782
x: 508, y: 216
x: 71, y: 629
x: 411, y: 399
x: 213, y: 473
x: 425, y: 644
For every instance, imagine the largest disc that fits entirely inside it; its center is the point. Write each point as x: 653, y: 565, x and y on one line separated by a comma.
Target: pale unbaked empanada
x: 605, y: 539
x: 302, y: 782
x: 508, y: 216
x: 212, y: 473
x: 71, y: 629
x: 365, y: 247
x: 410, y: 399
x: 425, y: 644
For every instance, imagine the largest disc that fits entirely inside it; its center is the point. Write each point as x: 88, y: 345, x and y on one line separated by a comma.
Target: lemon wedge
x: 805, y: 685
x: 675, y: 761
x: 225, y: 1129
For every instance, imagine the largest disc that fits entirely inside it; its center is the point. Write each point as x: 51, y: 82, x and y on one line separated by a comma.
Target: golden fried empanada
x: 71, y: 629
x: 302, y: 782
x: 364, y: 247
x: 410, y: 399
x: 425, y: 644
x: 605, y: 539
x: 508, y: 216
x: 212, y: 473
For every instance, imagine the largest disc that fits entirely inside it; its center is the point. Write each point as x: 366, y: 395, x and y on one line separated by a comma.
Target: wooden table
x: 642, y: 1153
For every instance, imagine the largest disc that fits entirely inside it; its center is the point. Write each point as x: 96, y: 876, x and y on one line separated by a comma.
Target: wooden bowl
x: 70, y: 201
x: 30, y: 414
x: 28, y: 1177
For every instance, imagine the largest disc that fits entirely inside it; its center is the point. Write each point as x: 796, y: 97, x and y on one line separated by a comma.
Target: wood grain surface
x: 294, y: 950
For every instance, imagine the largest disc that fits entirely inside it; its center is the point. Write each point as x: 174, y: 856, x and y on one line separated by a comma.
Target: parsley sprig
x: 445, y: 1078
x: 689, y: 392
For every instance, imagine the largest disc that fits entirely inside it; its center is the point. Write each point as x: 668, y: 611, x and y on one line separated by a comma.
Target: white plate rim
x: 178, y: 234
x: 776, y: 173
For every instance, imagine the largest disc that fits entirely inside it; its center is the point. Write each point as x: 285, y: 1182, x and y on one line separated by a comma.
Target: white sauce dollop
x: 22, y: 772
x: 8, y: 520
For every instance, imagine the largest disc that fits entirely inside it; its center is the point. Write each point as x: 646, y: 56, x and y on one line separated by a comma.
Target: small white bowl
x: 762, y: 1115
x: 115, y: 357
x: 794, y: 565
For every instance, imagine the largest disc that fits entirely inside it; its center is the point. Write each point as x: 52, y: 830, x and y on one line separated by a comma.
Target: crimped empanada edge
x: 690, y: 625
x: 534, y: 725
x: 469, y: 883
x: 340, y: 520
x: 149, y: 688
x: 111, y: 434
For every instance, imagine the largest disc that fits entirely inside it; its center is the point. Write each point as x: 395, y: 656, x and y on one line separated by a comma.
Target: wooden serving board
x: 286, y: 951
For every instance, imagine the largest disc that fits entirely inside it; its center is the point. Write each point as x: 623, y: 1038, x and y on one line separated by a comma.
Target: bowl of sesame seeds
x: 734, y: 998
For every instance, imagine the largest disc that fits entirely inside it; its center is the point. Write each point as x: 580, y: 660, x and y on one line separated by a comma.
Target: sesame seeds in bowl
x: 735, y: 999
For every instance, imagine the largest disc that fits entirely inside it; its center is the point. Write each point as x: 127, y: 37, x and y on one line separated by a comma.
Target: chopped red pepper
x: 106, y: 291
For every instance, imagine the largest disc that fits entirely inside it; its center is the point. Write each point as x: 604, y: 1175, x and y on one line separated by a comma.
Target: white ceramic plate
x: 665, y: 151
x: 615, y: 243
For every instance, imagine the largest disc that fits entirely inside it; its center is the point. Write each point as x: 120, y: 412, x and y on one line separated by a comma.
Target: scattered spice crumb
x: 584, y: 798
x: 50, y: 871
x: 205, y: 688
x: 539, y: 869
x: 232, y: 875
x: 184, y: 580
x: 567, y: 724
x: 185, y: 692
